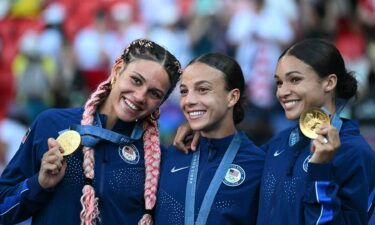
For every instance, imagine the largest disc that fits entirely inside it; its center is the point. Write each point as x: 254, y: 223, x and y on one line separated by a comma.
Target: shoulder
x: 351, y: 139
x: 59, y: 113
x: 249, y: 151
x: 354, y: 149
x: 278, y: 139
x: 247, y: 143
x: 56, y: 119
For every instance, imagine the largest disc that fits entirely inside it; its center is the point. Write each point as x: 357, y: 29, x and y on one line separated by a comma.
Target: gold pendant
x: 69, y: 141
x: 310, y: 119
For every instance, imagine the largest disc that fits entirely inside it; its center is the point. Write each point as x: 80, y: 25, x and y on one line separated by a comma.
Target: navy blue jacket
x: 296, y: 192
x: 236, y: 200
x: 118, y: 182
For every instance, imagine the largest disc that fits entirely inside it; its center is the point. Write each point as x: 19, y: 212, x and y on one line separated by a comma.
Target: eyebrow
x: 198, y: 83
x: 288, y: 73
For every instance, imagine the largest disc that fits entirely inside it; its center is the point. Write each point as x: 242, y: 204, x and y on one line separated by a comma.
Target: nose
x: 283, y: 91
x: 188, y: 99
x: 140, y: 95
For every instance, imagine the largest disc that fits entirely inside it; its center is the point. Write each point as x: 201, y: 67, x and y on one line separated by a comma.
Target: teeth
x: 131, y: 105
x: 291, y: 103
x: 196, y: 113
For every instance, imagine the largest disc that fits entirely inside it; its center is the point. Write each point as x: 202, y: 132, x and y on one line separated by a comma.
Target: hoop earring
x: 155, y: 115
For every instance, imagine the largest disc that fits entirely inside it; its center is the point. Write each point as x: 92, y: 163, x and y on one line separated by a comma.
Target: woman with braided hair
x: 119, y: 150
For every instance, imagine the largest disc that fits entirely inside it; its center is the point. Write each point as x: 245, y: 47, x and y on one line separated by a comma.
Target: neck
x: 111, y: 117
x: 219, y: 133
x: 331, y: 107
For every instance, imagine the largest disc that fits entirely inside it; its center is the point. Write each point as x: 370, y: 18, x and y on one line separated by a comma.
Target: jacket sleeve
x: 20, y: 193
x: 337, y: 193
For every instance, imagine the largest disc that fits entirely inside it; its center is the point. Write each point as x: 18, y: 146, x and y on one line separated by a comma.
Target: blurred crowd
x: 53, y: 53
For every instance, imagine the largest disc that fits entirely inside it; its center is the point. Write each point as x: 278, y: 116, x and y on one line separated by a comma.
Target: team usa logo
x: 234, y: 176
x: 129, y: 153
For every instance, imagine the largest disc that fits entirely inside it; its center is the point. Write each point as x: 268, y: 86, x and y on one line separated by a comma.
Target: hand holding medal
x: 53, y: 164
x: 315, y: 124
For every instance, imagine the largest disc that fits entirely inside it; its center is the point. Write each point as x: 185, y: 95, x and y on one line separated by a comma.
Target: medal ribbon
x: 213, y: 187
x: 91, y: 135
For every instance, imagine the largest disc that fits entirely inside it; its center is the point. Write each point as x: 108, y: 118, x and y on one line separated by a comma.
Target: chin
x: 292, y: 116
x: 195, y: 126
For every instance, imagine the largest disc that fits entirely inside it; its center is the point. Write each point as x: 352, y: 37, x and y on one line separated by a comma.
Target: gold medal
x: 310, y: 119
x: 69, y: 141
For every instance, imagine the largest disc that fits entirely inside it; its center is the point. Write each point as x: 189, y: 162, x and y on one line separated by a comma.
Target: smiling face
x: 299, y: 87
x: 138, y: 90
x: 205, y: 102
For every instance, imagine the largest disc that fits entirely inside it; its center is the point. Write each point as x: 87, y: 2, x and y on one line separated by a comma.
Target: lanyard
x: 213, y: 187
x: 335, y: 121
x: 91, y: 135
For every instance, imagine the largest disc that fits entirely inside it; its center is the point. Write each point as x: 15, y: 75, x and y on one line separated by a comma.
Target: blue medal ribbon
x: 208, y: 199
x: 91, y: 134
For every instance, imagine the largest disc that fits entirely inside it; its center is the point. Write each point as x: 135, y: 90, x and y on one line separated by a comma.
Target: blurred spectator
x: 207, y: 27
x: 92, y: 48
x: 318, y: 18
x: 126, y: 27
x: 26, y: 9
x: 53, y: 44
x: 35, y: 74
x: 350, y: 40
x: 77, y: 43
x: 4, y: 8
x: 52, y: 37
x: 259, y: 32
x: 167, y: 33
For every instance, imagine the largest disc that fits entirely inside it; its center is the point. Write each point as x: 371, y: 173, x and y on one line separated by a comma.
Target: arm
x: 336, y: 202
x: 23, y: 189
x: 337, y: 190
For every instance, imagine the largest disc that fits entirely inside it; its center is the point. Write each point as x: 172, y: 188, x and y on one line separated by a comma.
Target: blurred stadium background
x: 54, y: 52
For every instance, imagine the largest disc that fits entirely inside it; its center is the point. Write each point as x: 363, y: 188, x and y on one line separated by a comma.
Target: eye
x: 136, y: 81
x: 203, y: 90
x: 295, y: 80
x: 183, y: 92
x: 156, y: 94
x: 278, y: 83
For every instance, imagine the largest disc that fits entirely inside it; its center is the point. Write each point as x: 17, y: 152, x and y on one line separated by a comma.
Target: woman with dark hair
x: 220, y: 181
x: 329, y: 179
x: 120, y: 151
x: 316, y: 181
